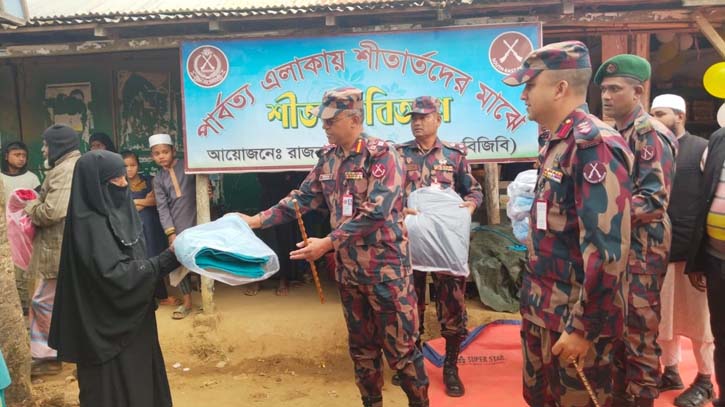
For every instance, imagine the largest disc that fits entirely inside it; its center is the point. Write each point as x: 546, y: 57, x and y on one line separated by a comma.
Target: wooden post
x: 203, y: 216
x: 490, y: 193
x: 612, y: 45
x: 641, y: 48
x: 710, y: 33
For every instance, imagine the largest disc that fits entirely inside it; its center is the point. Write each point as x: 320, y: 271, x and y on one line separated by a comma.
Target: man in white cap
x: 684, y: 308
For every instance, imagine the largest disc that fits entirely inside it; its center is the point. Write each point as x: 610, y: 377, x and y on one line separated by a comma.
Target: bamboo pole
x: 203, y: 215
x: 313, y: 267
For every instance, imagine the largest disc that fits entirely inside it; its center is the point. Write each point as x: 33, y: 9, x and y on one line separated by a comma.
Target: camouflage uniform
x: 637, y: 356
x: 373, y: 267
x: 445, y: 164
x: 578, y: 249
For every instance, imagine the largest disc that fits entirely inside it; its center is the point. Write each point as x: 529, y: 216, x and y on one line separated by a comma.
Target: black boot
x: 644, y: 402
x: 373, y: 401
x: 699, y: 393
x: 622, y: 400
x: 454, y: 386
x: 671, y: 379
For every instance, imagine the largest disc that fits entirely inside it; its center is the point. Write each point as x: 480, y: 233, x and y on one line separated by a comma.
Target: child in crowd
x: 142, y: 192
x: 15, y: 172
x: 15, y: 175
x: 175, y: 194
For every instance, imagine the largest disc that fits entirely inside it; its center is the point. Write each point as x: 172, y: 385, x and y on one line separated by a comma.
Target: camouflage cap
x: 631, y: 66
x: 424, y: 105
x: 556, y: 56
x: 338, y: 100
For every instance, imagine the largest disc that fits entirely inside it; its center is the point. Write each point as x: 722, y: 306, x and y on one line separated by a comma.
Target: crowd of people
x: 625, y: 249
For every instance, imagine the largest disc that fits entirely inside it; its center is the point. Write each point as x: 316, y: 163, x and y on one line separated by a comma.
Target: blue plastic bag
x: 226, y: 250
x: 4, y: 379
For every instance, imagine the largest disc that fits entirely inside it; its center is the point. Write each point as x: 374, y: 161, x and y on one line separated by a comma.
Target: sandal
x: 181, y: 312
x: 252, y: 290
x: 170, y: 301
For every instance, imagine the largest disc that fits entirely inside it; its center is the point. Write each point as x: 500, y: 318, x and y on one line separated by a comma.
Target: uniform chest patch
x: 595, y: 172
x: 411, y: 167
x: 444, y: 168
x: 353, y: 175
x: 325, y: 177
x: 378, y: 170
x: 554, y: 175
x: 647, y: 153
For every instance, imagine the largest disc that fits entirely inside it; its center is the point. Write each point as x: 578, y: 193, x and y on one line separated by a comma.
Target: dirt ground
x: 265, y: 351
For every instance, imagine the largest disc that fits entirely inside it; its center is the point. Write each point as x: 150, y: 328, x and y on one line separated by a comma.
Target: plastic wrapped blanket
x: 226, y: 250
x: 4, y: 379
x: 439, y: 234
x: 521, y: 197
x: 20, y: 229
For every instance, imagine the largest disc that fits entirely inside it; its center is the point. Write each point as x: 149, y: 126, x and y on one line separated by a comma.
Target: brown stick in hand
x: 312, y: 263
x: 584, y: 380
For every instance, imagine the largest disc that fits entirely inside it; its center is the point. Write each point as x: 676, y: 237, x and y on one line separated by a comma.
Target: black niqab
x: 105, y: 287
x: 105, y: 139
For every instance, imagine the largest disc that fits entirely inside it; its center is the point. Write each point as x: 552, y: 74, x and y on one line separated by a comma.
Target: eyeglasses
x: 330, y: 122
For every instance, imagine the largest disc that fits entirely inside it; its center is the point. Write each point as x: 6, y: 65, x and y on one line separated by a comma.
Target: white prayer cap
x: 157, y: 139
x: 668, y: 100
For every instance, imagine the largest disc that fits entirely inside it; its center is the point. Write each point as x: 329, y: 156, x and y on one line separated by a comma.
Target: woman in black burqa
x: 104, y: 318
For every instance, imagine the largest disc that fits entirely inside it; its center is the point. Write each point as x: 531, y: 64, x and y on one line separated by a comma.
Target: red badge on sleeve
x: 595, y: 172
x: 647, y: 153
x: 378, y: 170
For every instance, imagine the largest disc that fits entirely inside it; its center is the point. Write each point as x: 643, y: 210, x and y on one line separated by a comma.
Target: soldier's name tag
x: 325, y: 177
x: 541, y: 215
x: 554, y: 175
x: 347, y: 205
x: 446, y: 168
x: 353, y: 175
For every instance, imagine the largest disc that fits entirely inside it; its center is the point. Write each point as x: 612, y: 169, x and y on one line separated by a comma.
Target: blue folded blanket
x: 234, y: 263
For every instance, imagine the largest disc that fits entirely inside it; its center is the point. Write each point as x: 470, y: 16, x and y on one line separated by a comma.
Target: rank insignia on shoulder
x: 595, y: 172
x: 584, y: 127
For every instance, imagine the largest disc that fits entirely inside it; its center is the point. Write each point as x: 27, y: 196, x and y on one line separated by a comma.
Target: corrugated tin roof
x: 71, y: 12
x: 48, y: 9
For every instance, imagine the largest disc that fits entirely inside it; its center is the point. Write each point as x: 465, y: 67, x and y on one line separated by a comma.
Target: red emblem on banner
x: 378, y: 170
x: 647, y: 153
x: 508, y: 50
x: 595, y: 172
x: 207, y: 66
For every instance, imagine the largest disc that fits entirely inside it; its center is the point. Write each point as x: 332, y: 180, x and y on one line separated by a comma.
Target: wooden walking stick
x: 312, y: 262
x: 580, y: 372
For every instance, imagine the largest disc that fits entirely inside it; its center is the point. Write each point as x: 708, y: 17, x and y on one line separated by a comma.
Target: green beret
x: 631, y: 66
